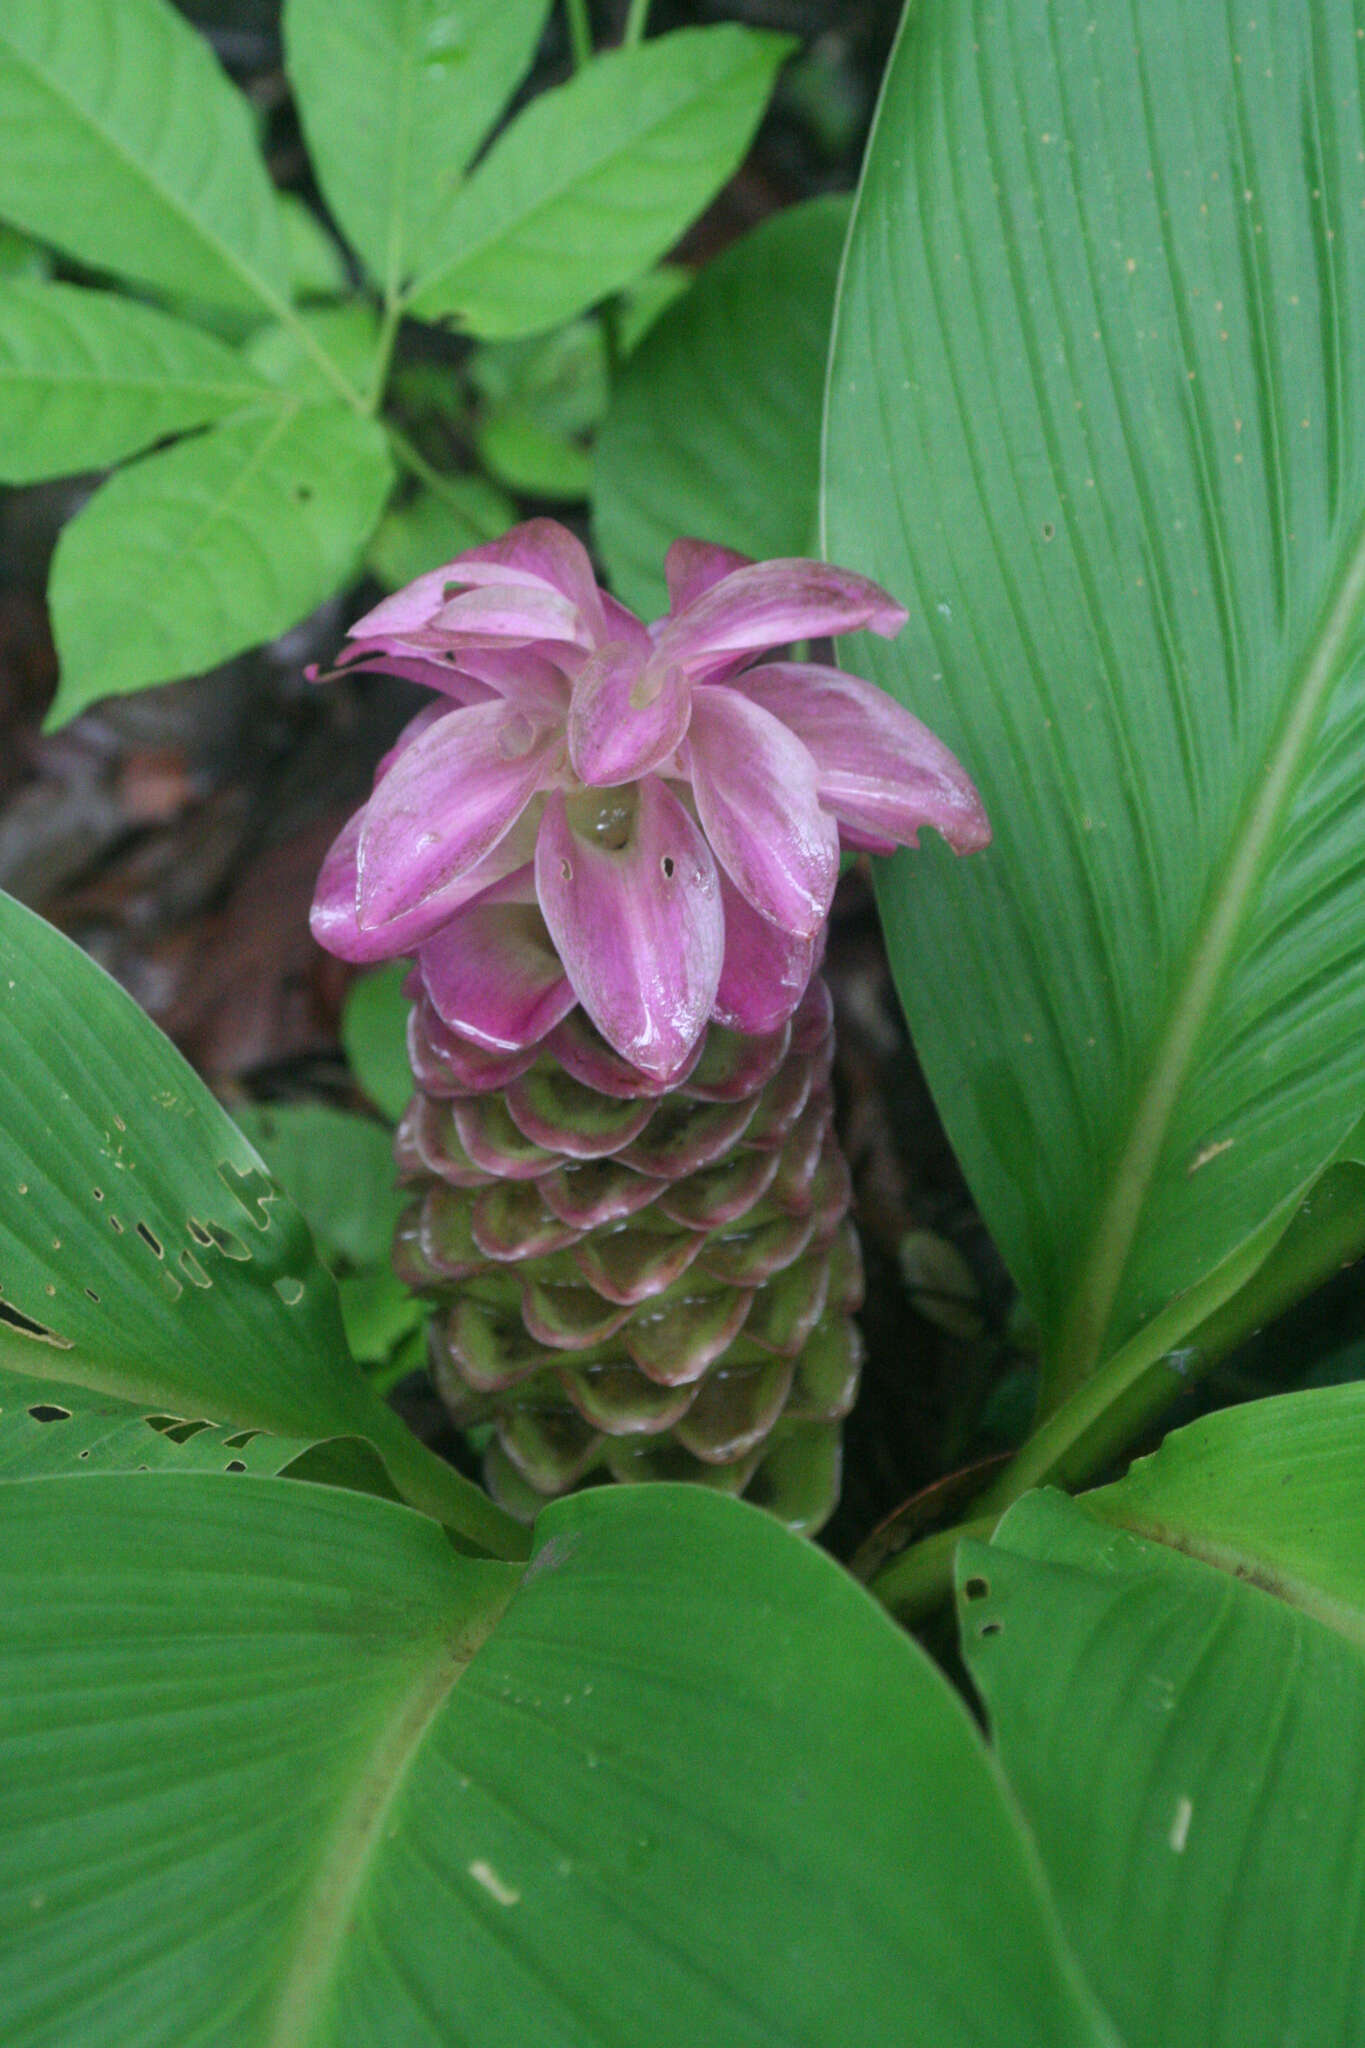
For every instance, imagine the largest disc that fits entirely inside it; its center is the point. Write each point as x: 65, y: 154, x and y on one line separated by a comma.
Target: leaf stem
x: 921, y: 1578
x: 417, y: 465
x: 1278, y: 1266
x: 580, y: 32
x: 383, y: 352
x: 429, y: 1484
x: 637, y: 15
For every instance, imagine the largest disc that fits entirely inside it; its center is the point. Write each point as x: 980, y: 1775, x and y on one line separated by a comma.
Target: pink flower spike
x: 756, y: 795
x: 445, y: 804
x: 334, y: 921
x: 770, y: 604
x: 538, y: 551
x: 692, y: 566
x: 392, y: 658
x: 626, y: 717
x: 634, y: 912
x: 766, y: 970
x: 539, y: 688
x: 878, y: 769
x: 494, y: 977
x: 524, y: 613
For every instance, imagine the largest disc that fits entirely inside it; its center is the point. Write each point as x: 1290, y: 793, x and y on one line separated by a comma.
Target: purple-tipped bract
x: 642, y: 820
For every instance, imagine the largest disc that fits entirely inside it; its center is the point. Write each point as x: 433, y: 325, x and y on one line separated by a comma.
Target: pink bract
x: 642, y: 820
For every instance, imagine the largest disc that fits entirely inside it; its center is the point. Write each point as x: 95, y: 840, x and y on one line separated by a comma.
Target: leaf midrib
x: 348, y: 1850
x: 259, y: 286
x: 1080, y: 1341
x: 172, y: 200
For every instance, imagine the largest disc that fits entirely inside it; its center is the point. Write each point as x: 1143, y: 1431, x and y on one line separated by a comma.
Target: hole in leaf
x: 1049, y: 530
x: 198, y: 1232
x: 234, y: 1465
x: 149, y: 1238
x: 667, y: 864
x: 252, y: 1189
x: 91, y: 1295
x: 976, y: 1589
x: 227, y: 1242
x: 114, y: 1224
x: 44, y: 1411
x: 26, y: 1327
x: 98, y: 1193
x: 241, y: 1440
x: 85, y: 1453
x: 192, y: 1270
x: 566, y: 870
x: 289, y: 1290
x: 181, y: 1432
x: 990, y: 1628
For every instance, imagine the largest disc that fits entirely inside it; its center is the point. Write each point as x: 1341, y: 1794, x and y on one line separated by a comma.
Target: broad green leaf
x: 337, y: 1167
x: 1096, y: 415
x: 226, y: 539
x: 279, y: 1767
x: 374, y: 1027
x: 714, y: 428
x: 20, y: 258
x: 127, y: 148
x: 87, y: 377
x: 431, y: 527
x: 1183, y: 1746
x: 48, y: 1428
x: 145, y: 1252
x: 395, y: 97
x: 1271, y: 1491
x: 595, y: 180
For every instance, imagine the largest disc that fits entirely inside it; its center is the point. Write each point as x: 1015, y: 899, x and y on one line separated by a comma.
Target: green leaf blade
x: 121, y: 98
x: 146, y: 1254
x: 1095, y: 415
x: 396, y: 96
x: 87, y: 378
x: 596, y: 179
x: 714, y: 429
x: 689, y: 1784
x: 1180, y: 1743
x: 229, y: 539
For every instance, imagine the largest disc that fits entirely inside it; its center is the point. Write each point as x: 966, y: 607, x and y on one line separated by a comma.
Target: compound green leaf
x: 145, y: 1252
x: 1183, y: 1746
x: 127, y: 148
x: 395, y: 96
x: 280, y: 1768
x: 87, y: 377
x: 714, y: 428
x: 596, y: 179
x: 226, y: 539
x: 1097, y: 414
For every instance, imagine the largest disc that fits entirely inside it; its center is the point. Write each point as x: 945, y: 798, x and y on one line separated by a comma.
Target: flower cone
x: 611, y: 849
x: 634, y: 1284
